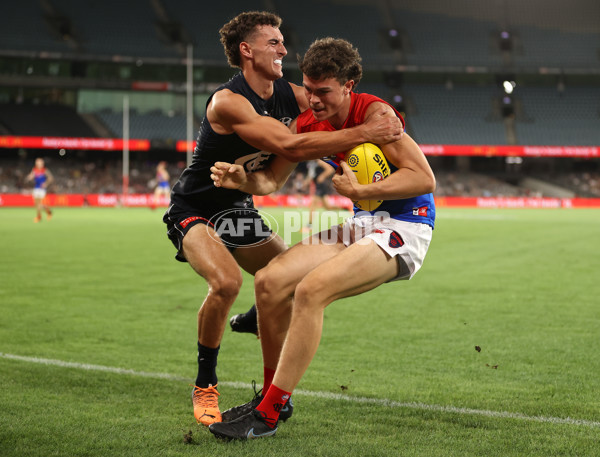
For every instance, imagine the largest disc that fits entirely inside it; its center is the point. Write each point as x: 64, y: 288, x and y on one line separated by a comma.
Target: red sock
x: 271, y: 405
x: 268, y: 379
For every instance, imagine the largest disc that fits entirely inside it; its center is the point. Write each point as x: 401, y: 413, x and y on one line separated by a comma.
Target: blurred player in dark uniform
x: 41, y: 178
x: 367, y: 250
x: 218, y: 230
x: 319, y: 174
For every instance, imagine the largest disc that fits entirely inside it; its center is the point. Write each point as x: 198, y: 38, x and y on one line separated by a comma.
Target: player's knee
x: 267, y: 286
x: 225, y: 289
x: 311, y: 294
x: 262, y: 279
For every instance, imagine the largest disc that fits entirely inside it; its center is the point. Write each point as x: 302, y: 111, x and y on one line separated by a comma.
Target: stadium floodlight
x: 509, y: 86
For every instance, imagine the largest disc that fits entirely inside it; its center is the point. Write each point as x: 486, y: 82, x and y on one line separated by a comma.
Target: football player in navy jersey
x: 217, y: 230
x: 366, y: 251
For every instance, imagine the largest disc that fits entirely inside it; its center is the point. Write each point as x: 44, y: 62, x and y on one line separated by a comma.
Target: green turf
x: 100, y: 286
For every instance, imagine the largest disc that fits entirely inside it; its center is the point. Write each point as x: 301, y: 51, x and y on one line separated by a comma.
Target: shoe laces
x: 262, y: 416
x: 257, y: 393
x: 207, y: 397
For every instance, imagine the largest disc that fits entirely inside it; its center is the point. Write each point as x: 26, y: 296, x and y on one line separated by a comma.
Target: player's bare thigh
x: 360, y: 267
x: 253, y: 258
x: 207, y: 254
x: 284, y: 272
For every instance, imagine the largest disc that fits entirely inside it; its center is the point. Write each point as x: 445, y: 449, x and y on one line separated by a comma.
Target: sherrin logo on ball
x: 369, y: 165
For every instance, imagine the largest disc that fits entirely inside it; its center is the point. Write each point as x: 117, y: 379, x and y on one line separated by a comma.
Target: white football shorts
x: 407, y: 241
x: 39, y: 193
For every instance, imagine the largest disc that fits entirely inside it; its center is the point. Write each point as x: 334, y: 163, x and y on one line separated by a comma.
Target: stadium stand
x: 551, y: 116
x: 409, y: 48
x: 557, y: 49
x: 153, y: 125
x: 202, y: 23
x: 43, y: 120
x: 457, y: 115
x: 23, y: 28
x: 455, y: 42
x: 379, y: 89
x: 115, y: 28
x: 474, y: 185
x: 369, y: 37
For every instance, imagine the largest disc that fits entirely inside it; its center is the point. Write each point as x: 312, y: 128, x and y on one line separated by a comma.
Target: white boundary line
x: 324, y: 395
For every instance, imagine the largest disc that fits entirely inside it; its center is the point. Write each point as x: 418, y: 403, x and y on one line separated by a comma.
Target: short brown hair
x: 332, y: 58
x: 240, y: 28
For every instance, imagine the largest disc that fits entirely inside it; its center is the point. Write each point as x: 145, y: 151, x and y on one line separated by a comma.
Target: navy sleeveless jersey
x: 195, y: 190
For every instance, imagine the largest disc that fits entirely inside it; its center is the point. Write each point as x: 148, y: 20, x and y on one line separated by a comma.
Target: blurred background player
x: 245, y: 117
x: 366, y: 251
x: 318, y: 177
x: 163, y: 186
x: 41, y: 178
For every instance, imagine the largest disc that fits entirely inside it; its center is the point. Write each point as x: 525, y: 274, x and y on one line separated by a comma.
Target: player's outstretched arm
x: 229, y: 113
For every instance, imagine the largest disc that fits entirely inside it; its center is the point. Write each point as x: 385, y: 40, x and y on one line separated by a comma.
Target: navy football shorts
x: 239, y: 227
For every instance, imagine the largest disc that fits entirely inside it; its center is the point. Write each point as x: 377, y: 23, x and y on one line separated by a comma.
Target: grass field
x: 97, y: 344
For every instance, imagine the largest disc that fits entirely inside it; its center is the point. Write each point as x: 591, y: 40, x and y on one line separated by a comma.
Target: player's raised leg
x: 274, y: 291
x: 357, y: 269
x: 354, y: 270
x: 275, y: 286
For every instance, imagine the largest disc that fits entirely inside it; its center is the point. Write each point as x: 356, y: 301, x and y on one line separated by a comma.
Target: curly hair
x: 332, y: 58
x: 240, y: 29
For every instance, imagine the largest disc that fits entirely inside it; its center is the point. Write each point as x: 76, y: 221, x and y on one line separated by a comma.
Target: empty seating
x: 153, y: 126
x: 43, y: 120
x: 361, y: 24
x: 440, y: 40
x: 570, y: 117
x: 112, y: 27
x: 461, y: 115
x: 203, y: 22
x: 23, y: 28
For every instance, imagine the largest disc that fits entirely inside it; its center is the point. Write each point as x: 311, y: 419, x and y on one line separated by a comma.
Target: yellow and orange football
x: 369, y: 165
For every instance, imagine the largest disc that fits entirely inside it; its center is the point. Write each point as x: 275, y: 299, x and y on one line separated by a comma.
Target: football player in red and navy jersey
x: 367, y: 250
x: 218, y: 231
x: 42, y: 178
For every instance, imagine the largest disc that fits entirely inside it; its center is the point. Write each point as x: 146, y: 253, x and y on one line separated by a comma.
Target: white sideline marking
x: 308, y: 393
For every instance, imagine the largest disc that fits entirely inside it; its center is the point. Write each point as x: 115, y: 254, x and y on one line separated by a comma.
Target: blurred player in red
x: 163, y: 186
x: 366, y: 251
x: 41, y: 178
x: 219, y: 231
